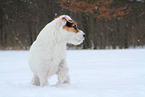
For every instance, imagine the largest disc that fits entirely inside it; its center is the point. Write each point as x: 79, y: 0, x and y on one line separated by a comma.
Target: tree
x: 98, y: 8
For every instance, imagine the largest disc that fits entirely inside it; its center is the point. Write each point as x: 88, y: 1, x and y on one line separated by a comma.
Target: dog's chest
x: 58, y: 53
x: 55, y: 58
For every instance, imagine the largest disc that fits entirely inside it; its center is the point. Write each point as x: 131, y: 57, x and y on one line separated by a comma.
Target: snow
x: 94, y: 73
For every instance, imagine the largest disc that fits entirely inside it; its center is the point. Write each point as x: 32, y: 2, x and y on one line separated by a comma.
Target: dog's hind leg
x: 35, y: 80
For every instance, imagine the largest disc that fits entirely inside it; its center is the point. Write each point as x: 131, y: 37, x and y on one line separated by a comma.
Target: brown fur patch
x: 70, y: 29
x: 57, y: 17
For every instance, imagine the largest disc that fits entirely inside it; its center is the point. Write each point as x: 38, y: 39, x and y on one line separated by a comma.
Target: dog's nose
x: 84, y: 35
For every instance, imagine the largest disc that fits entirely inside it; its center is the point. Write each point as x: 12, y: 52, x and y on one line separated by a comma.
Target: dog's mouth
x: 79, y: 41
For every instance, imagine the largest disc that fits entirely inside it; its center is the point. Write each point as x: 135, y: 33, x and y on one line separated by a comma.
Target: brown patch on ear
x: 70, y: 29
x: 71, y: 21
x: 57, y: 17
x: 64, y: 18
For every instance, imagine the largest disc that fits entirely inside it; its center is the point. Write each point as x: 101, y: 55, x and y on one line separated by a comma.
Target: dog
x: 47, y: 54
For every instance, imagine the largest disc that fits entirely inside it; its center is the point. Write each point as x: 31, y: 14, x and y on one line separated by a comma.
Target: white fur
x: 47, y: 55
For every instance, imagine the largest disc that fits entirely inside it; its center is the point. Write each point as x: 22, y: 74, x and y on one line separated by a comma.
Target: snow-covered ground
x: 94, y: 73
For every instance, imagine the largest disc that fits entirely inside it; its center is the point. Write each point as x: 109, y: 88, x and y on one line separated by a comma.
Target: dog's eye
x: 75, y: 27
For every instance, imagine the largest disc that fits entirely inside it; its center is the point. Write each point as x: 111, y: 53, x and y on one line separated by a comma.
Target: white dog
x: 47, y: 55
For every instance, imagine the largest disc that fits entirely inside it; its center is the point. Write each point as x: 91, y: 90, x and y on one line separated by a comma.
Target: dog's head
x: 69, y: 30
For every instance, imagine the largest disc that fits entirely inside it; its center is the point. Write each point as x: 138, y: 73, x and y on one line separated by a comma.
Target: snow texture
x: 94, y: 73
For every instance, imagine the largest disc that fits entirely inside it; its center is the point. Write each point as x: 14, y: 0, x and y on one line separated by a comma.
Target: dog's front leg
x: 63, y: 76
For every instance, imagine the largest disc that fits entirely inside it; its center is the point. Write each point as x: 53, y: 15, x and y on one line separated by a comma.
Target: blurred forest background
x: 108, y: 24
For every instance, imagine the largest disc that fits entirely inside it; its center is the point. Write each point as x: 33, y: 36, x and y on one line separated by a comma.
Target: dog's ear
x: 67, y: 20
x: 64, y: 19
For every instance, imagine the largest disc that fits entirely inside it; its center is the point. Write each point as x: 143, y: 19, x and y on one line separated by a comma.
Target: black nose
x: 84, y: 35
